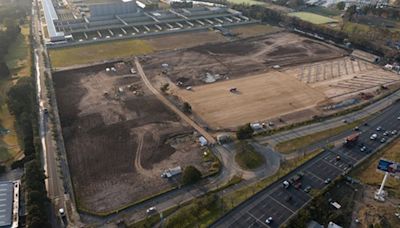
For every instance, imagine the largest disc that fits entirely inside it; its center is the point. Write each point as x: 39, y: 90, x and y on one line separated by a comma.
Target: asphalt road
x: 330, y: 123
x: 273, y: 200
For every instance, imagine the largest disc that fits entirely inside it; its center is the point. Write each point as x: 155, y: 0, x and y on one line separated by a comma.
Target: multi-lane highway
x: 281, y: 204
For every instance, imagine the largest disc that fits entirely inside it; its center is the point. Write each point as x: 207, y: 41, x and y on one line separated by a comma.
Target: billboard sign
x: 391, y: 167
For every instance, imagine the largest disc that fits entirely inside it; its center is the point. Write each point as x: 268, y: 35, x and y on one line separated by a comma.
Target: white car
x: 373, y: 136
x: 151, y: 210
x: 268, y: 220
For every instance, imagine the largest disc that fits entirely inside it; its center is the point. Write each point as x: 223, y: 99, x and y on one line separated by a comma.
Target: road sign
x: 393, y: 168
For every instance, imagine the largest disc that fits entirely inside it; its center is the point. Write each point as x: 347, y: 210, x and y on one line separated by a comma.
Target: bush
x: 164, y: 88
x: 244, y: 132
x: 2, y: 169
x: 191, y: 175
x: 187, y: 108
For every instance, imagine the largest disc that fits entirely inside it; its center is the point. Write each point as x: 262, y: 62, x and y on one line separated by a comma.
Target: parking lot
x: 273, y: 201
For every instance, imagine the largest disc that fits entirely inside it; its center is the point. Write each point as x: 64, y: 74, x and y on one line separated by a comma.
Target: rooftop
x: 6, y: 203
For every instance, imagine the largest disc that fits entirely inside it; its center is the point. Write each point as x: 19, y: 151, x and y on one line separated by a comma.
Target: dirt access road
x: 146, y: 81
x: 120, y: 137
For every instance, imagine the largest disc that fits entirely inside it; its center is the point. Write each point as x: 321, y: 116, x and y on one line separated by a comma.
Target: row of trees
x: 21, y: 103
x: 362, y: 40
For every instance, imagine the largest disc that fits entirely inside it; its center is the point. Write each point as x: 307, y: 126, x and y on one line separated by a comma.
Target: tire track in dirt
x: 137, y: 163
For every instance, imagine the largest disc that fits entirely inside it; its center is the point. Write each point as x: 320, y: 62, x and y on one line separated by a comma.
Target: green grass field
x: 312, y: 17
x: 91, y: 53
x: 18, y: 60
x: 250, y: 2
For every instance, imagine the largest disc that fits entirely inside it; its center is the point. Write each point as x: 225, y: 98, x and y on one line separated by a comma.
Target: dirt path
x: 164, y: 100
x: 138, y: 164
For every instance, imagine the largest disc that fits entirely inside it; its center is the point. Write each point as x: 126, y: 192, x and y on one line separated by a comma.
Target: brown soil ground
x: 266, y: 95
x: 239, y: 58
x: 311, y: 77
x: 371, y: 212
x: 119, y: 137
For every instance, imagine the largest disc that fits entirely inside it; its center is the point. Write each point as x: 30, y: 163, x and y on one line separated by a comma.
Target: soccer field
x: 312, y: 17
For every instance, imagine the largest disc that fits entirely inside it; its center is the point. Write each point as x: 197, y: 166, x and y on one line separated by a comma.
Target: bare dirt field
x: 210, y: 62
x: 266, y: 95
x: 280, y: 76
x: 119, y: 138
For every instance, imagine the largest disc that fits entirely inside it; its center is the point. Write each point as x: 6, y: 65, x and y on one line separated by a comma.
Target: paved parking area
x: 273, y: 200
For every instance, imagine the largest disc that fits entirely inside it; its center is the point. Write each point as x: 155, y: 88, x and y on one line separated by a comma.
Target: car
x: 373, y: 136
x: 151, y: 210
x: 363, y: 149
x: 383, y: 140
x: 386, y: 133
x: 344, y: 121
x: 61, y: 212
x: 379, y: 128
x: 338, y: 158
x: 361, y: 145
x: 286, y: 184
x: 356, y: 128
x: 398, y: 118
x: 394, y: 132
x: 307, y: 189
x: 366, y: 124
x: 327, y: 180
x: 268, y: 220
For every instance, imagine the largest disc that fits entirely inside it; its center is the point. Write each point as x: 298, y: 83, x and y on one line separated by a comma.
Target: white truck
x: 171, y: 172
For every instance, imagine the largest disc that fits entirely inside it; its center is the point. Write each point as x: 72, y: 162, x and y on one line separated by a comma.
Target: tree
x: 2, y: 169
x: 340, y: 5
x: 4, y: 71
x: 164, y: 88
x: 244, y: 132
x: 191, y: 175
x: 187, y: 108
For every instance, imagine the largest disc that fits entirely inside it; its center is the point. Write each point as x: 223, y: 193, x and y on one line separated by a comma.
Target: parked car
x: 383, y: 140
x: 307, y: 189
x: 151, y: 210
x: 373, y: 136
x: 327, y: 180
x: 268, y: 220
x: 363, y: 149
x: 379, y: 128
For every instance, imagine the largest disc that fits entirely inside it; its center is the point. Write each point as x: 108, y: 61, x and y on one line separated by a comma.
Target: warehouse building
x: 123, y: 19
x: 9, y: 204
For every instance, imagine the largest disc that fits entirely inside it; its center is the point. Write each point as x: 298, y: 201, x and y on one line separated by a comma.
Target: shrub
x: 191, y: 175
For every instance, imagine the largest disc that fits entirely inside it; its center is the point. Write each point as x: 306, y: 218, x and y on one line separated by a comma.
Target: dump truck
x: 351, y: 140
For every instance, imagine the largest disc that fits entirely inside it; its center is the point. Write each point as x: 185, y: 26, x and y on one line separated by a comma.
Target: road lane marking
x: 258, y: 220
x: 281, y: 204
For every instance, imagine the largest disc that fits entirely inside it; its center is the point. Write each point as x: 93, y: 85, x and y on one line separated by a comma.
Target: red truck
x: 351, y: 140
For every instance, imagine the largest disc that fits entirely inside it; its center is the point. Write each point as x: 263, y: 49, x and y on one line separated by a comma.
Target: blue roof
x: 50, y: 15
x: 6, y: 203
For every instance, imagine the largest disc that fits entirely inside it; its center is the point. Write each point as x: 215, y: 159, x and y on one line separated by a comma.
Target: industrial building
x: 88, y: 21
x: 9, y: 204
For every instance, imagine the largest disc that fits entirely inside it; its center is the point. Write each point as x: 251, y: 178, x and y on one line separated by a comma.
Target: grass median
x: 247, y: 157
x: 300, y: 142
